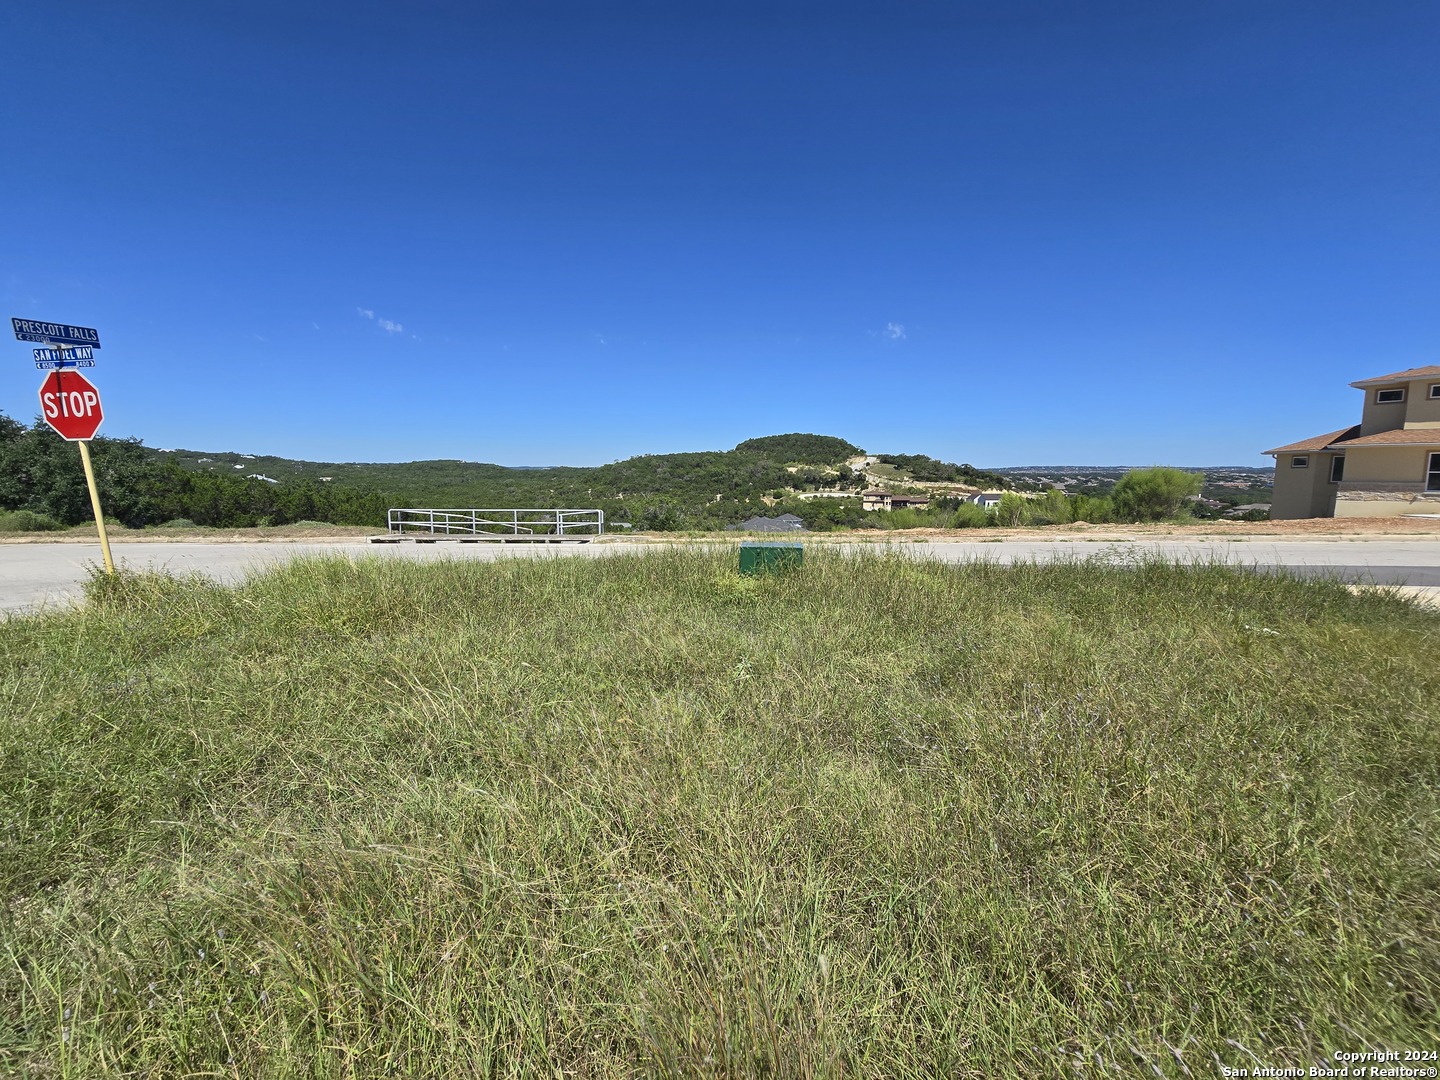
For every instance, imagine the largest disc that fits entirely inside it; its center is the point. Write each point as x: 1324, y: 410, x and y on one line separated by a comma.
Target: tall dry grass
x: 594, y: 818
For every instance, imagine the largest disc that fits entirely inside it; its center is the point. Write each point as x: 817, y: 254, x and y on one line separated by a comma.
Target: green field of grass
x: 641, y: 815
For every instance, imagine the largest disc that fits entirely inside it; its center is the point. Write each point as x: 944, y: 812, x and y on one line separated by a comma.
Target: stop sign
x: 71, y: 405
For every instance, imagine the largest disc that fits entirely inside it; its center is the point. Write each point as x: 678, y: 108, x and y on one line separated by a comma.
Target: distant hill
x: 703, y: 488
x: 750, y: 469
x: 807, y: 449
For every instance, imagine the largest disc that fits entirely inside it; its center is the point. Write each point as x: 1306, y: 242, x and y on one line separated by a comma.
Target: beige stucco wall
x: 1424, y: 410
x: 1386, y: 464
x: 1375, y: 417
x: 1302, y: 493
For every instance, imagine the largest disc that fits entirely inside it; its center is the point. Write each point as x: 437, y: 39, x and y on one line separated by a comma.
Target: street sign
x: 71, y: 405
x: 55, y: 333
x: 79, y: 352
x: 55, y: 365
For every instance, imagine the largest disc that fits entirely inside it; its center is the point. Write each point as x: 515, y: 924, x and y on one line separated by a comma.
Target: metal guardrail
x: 498, y: 523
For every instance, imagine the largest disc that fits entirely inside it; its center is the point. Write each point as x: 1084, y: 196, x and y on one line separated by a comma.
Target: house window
x: 1434, y: 390
x: 1337, y: 468
x: 1300, y: 461
x: 1432, y: 474
x: 1389, y: 397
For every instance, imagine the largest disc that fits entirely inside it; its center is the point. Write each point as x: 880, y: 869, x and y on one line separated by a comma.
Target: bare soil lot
x: 1317, y: 528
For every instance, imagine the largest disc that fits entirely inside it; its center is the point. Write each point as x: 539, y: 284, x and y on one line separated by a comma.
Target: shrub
x: 27, y: 521
x: 905, y: 518
x: 1053, y: 509
x: 179, y: 523
x: 1011, y: 509
x: 1154, y: 494
x: 1093, y: 509
x: 970, y: 516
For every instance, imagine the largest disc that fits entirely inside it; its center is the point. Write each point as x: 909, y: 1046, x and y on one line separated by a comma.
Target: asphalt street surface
x: 39, y: 575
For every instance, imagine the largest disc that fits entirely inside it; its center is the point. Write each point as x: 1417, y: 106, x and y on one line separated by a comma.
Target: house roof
x: 1347, y: 437
x: 1430, y: 372
x: 1318, y: 442
x: 1398, y: 437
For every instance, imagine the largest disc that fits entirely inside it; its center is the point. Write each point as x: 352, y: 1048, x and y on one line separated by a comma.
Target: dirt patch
x: 1320, y: 528
x: 1307, y: 528
x: 281, y: 534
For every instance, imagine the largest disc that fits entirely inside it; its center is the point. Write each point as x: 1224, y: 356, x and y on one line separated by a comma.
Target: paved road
x: 36, y: 575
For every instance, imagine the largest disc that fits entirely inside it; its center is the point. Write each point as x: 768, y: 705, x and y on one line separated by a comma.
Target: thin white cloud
x: 390, y: 326
x: 895, y: 331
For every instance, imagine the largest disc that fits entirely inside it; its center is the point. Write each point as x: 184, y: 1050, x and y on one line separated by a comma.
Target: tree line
x: 41, y: 475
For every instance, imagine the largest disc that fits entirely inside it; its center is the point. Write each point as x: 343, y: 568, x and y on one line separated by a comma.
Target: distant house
x: 986, y: 499
x: 880, y: 499
x: 911, y: 502
x: 783, y: 523
x: 1387, y: 464
x: 874, y: 499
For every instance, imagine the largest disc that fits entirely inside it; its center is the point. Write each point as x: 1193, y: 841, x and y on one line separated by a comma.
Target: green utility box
x: 763, y: 558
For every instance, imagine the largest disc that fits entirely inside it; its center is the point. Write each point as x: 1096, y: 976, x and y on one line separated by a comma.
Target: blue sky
x: 565, y: 233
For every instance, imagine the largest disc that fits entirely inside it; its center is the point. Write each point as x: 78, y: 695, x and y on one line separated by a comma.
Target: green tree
x: 1154, y: 494
x: 1092, y: 509
x: 1011, y: 509
x: 969, y: 516
x: 1053, y: 509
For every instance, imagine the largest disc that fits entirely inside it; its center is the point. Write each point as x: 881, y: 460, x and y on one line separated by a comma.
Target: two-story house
x: 1387, y: 464
x: 877, y: 499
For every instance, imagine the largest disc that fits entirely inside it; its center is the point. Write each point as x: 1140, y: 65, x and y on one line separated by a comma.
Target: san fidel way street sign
x: 75, y: 356
x: 50, y: 333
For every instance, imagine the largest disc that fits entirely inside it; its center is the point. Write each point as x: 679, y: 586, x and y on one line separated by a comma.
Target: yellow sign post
x: 95, y: 505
